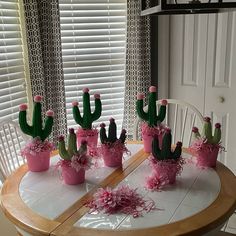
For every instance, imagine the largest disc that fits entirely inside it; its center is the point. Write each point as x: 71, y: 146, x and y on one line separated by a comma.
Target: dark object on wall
x: 170, y: 7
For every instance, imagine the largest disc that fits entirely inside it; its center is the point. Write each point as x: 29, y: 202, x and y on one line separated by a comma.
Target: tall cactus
x: 111, y: 138
x: 165, y: 153
x: 88, y: 117
x: 207, y: 132
x: 151, y: 116
x: 36, y: 129
x: 68, y: 153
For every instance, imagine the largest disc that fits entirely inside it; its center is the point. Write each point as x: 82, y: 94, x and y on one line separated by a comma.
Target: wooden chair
x: 180, y: 117
x: 12, y: 140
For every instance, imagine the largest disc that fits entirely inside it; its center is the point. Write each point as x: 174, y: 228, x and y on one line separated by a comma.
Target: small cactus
x: 36, y: 129
x: 111, y: 133
x: 68, y: 153
x: 207, y: 132
x: 151, y: 116
x: 88, y: 117
x: 165, y: 153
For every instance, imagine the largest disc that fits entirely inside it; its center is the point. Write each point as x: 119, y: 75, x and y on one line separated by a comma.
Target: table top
x: 41, y: 204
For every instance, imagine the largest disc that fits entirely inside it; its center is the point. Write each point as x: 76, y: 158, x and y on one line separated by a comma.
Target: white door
x: 203, y: 70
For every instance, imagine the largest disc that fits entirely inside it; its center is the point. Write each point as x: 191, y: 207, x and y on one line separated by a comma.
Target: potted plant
x: 86, y: 132
x: 206, y: 146
x: 165, y: 163
x: 74, y: 162
x: 112, y: 149
x: 37, y: 151
x: 152, y: 122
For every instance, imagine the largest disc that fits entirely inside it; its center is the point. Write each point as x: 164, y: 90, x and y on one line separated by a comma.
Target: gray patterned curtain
x: 138, y: 61
x: 45, y: 57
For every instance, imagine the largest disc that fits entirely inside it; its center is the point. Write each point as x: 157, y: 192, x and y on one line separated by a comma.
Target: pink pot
x: 112, y: 159
x: 90, y: 136
x: 39, y: 162
x: 207, y: 158
x: 166, y: 170
x: 71, y: 176
x: 147, y: 142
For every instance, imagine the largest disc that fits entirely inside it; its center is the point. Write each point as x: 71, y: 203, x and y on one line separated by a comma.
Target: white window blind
x: 12, y: 70
x: 93, y: 50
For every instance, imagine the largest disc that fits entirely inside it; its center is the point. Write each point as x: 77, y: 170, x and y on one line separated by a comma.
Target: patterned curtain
x: 138, y: 63
x: 45, y: 58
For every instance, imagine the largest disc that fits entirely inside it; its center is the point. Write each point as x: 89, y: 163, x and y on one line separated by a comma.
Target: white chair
x: 12, y: 140
x: 180, y: 117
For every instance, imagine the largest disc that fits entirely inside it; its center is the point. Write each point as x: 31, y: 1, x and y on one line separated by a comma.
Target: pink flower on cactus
x: 140, y: 96
x: 102, y: 125
x: 38, y: 98
x: 112, y: 120
x: 164, y: 102
x: 75, y: 103
x: 207, y: 119
x: 85, y: 90
x: 194, y: 129
x: 97, y: 96
x: 152, y: 89
x: 23, y: 107
x: 50, y: 113
x: 218, y: 125
x: 61, y: 138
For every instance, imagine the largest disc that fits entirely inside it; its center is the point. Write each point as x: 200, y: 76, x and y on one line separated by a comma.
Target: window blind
x: 93, y: 50
x: 12, y: 70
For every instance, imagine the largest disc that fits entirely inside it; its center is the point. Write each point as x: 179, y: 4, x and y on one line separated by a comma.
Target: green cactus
x: 111, y: 133
x: 207, y: 132
x: 68, y: 153
x: 88, y: 118
x: 151, y: 116
x: 36, y: 129
x: 165, y: 153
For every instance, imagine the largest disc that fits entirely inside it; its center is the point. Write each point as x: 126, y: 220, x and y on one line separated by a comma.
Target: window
x: 12, y: 68
x: 93, y: 50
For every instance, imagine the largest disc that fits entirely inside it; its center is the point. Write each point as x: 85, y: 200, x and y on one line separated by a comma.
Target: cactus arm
x: 166, y: 145
x: 112, y: 131
x: 177, y: 152
x: 156, y: 152
x: 139, y: 108
x: 47, y: 128
x: 123, y: 136
x: 217, y: 134
x: 27, y: 129
x: 196, y: 135
x: 87, y: 118
x: 98, y: 109
x: 62, y: 151
x: 72, y: 148
x: 103, y: 135
x: 77, y: 116
x: 37, y: 121
x: 152, y: 111
x: 207, y: 131
x: 161, y: 115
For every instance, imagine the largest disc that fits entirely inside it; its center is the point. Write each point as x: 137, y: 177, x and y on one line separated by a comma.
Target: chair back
x: 12, y: 140
x: 180, y: 117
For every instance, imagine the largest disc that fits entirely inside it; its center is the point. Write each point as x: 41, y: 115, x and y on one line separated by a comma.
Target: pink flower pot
x: 91, y: 136
x: 71, y: 176
x: 207, y: 158
x: 111, y: 158
x: 166, y: 170
x: 147, y: 142
x: 39, y: 162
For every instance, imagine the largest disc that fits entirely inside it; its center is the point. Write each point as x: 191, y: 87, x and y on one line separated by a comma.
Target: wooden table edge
x: 206, y: 220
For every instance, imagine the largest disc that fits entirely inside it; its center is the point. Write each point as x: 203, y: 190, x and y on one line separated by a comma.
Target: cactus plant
x: 111, y: 138
x: 36, y: 129
x: 68, y: 153
x: 207, y: 132
x: 165, y: 153
x: 151, y: 116
x: 88, y: 117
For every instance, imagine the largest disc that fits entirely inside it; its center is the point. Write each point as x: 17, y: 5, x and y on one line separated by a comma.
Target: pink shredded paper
x: 152, y: 131
x: 163, y: 173
x: 35, y: 146
x: 121, y: 200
